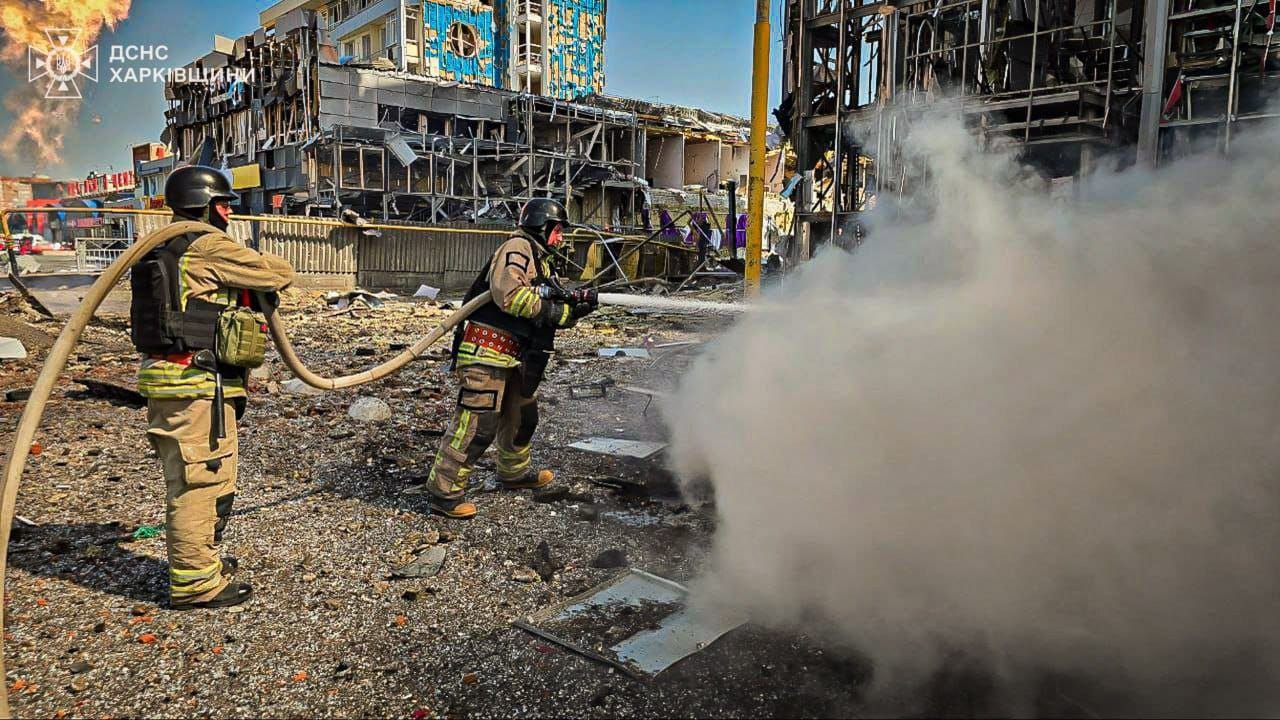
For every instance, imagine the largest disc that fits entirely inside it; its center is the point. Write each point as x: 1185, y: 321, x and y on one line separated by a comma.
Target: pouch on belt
x: 242, y: 338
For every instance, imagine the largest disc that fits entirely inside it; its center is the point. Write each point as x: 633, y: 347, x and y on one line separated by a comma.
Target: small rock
x: 432, y: 537
x: 601, y: 696
x: 369, y: 409
x: 78, y: 686
x: 297, y: 387
x: 608, y: 559
x: 341, y: 434
x: 140, y: 610
x: 333, y: 604
x: 308, y: 577
x: 365, y: 352
x: 470, y: 678
x: 525, y: 575
x: 79, y: 667
x: 447, y: 536
x: 589, y: 513
x: 544, y: 563
x: 426, y: 565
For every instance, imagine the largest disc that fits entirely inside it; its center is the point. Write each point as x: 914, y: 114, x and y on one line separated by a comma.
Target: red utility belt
x: 492, y: 338
x: 177, y: 358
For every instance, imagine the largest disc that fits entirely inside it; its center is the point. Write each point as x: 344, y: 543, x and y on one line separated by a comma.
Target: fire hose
x: 70, y: 335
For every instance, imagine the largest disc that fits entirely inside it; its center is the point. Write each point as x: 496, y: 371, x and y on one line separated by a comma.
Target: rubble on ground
x: 366, y: 604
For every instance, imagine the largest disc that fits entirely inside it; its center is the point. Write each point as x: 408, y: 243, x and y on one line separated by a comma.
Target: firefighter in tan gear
x: 501, y: 353
x: 192, y: 316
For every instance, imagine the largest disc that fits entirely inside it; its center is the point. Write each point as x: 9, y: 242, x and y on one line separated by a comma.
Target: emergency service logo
x: 61, y: 63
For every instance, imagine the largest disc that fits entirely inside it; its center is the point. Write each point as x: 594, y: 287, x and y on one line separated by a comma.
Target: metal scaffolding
x: 1060, y: 81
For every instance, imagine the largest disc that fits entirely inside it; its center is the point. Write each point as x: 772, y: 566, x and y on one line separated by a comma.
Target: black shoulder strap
x: 175, y: 249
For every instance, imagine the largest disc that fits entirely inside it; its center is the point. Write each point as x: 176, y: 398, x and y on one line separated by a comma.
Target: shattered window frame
x: 464, y: 39
x: 402, y: 185
x: 325, y: 164
x: 368, y: 176
x: 344, y: 180
x: 422, y: 177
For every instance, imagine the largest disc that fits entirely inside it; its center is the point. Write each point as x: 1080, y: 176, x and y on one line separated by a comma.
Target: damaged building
x: 444, y: 111
x: 1065, y: 82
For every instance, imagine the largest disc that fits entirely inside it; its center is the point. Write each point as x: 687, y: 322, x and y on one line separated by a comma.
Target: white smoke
x: 1046, y: 435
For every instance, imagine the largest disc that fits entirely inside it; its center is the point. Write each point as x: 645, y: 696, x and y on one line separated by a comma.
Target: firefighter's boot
x: 234, y: 593
x: 458, y: 509
x: 529, y: 481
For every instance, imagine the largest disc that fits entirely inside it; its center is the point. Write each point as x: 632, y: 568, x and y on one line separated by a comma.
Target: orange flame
x: 39, y: 126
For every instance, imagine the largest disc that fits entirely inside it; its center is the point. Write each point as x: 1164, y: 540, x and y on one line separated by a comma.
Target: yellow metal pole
x: 759, y: 127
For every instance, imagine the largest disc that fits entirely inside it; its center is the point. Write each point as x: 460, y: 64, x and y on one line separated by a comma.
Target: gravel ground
x: 326, y: 508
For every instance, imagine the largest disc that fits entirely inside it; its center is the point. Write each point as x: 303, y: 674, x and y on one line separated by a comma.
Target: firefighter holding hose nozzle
x: 501, y: 353
x: 195, y: 318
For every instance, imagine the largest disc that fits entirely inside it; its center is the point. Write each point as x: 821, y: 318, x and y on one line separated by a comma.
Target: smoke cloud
x: 1042, y: 434
x: 38, y: 127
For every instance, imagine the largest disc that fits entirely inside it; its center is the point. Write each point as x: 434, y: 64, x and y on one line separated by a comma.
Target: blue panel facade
x: 502, y: 42
x: 439, y: 58
x: 576, y: 36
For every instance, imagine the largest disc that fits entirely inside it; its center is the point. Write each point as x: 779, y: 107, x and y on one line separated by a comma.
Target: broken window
x: 420, y: 177
x: 351, y: 168
x: 373, y: 178
x: 397, y: 178
x: 464, y: 41
x: 324, y: 164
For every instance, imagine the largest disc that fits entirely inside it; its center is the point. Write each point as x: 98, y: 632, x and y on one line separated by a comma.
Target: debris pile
x: 365, y: 603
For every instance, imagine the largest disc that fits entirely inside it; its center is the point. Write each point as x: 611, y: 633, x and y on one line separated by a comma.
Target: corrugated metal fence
x: 403, y: 258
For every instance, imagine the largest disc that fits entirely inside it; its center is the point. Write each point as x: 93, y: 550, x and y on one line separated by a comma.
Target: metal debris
x: 639, y: 449
x: 663, y: 629
x: 12, y: 349
x: 428, y: 292
x: 111, y: 391
x: 586, y: 391
x: 624, y: 352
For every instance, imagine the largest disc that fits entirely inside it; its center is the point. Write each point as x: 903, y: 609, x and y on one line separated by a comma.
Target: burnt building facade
x: 315, y: 131
x: 1063, y: 82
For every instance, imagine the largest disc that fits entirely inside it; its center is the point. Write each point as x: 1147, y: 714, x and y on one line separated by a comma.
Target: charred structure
x: 314, y: 132
x: 1066, y: 81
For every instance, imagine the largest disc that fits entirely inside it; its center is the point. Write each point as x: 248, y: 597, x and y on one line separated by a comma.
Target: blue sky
x: 690, y: 52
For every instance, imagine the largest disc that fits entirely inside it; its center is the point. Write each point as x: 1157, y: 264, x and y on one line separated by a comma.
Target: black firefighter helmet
x: 539, y: 215
x: 193, y: 187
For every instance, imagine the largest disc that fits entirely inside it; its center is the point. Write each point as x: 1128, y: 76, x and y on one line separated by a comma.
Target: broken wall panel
x: 664, y: 164
x: 702, y: 163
